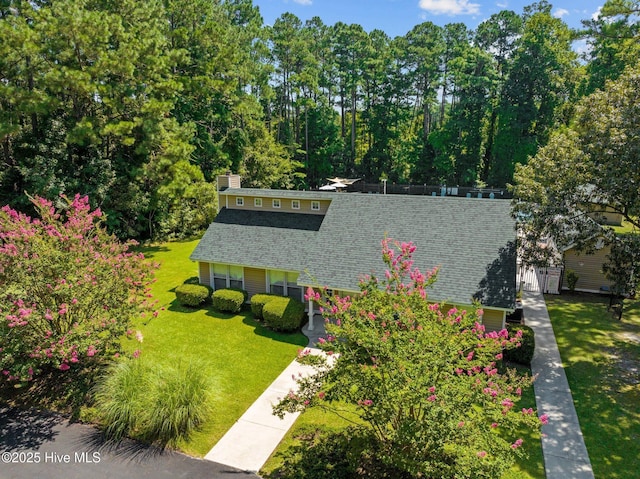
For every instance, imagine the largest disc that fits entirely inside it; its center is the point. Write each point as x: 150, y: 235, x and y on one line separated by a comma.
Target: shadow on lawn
x: 54, y: 390
x: 609, y: 415
x: 176, y: 307
x: 151, y: 251
x: 261, y: 330
x: 212, y: 313
x: 601, y: 358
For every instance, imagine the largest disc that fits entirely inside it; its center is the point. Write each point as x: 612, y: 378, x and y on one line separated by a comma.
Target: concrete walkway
x: 563, y: 448
x: 254, y: 437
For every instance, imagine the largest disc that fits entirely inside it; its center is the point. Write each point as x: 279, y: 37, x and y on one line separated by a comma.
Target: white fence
x: 545, y: 280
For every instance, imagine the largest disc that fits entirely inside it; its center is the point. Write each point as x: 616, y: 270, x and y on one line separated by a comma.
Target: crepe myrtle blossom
x: 70, y: 290
x: 420, y: 375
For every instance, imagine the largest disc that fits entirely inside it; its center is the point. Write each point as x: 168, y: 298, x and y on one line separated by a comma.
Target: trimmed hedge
x: 229, y: 300
x: 245, y: 294
x: 283, y: 314
x: 523, y: 354
x: 192, y: 295
x: 258, y: 301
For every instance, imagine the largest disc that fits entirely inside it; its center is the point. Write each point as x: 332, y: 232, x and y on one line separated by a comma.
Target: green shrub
x: 523, y: 354
x: 572, y: 279
x: 245, y: 294
x: 333, y: 455
x: 258, y: 301
x: 283, y: 314
x: 192, y: 295
x: 158, y: 405
x: 228, y: 300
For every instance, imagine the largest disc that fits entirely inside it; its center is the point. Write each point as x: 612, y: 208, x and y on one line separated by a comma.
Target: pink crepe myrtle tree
x: 424, y: 379
x: 68, y: 290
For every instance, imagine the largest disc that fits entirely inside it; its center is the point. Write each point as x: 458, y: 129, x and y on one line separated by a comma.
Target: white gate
x: 528, y: 278
x: 545, y: 280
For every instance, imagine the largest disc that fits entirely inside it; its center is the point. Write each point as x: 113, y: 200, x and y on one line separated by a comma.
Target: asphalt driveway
x: 45, y: 445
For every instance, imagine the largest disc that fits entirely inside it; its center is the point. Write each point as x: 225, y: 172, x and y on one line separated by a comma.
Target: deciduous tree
x: 584, y: 170
x: 423, y: 378
x: 68, y: 290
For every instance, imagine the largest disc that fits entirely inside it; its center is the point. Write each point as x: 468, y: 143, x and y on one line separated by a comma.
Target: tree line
x: 141, y: 104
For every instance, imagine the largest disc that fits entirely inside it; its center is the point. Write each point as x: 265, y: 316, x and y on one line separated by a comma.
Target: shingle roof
x: 471, y: 240
x: 275, y: 219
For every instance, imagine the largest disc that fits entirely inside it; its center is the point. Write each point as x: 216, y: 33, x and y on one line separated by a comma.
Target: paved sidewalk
x: 563, y: 448
x: 254, y: 437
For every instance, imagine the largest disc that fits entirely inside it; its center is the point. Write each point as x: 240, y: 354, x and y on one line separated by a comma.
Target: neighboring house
x: 568, y: 256
x: 284, y: 241
x: 599, y: 208
x: 588, y: 267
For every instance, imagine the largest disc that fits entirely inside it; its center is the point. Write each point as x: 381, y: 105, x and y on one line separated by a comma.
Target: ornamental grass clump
x: 177, y: 404
x: 119, y: 396
x: 422, y: 377
x: 157, y: 405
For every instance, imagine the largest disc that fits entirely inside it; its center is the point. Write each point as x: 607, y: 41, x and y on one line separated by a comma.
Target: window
x: 219, y: 276
x: 257, y: 202
x: 235, y: 277
x: 276, y: 203
x: 239, y: 201
x: 285, y: 284
x: 277, y: 281
x: 227, y: 276
x: 315, y: 206
x: 295, y: 204
x: 293, y: 290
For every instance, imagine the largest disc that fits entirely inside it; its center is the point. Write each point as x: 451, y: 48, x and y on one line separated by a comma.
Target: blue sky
x: 397, y: 17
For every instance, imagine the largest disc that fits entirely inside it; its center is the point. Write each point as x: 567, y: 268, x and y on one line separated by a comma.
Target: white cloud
x: 595, y: 15
x: 303, y: 2
x: 560, y: 12
x: 450, y: 7
x: 503, y: 4
x: 581, y: 47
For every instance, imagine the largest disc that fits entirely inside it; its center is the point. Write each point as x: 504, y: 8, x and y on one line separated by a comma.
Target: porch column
x: 310, y: 314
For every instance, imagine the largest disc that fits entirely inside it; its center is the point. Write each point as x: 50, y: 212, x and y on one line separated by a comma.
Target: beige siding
x: 285, y: 205
x: 588, y: 267
x: 254, y: 281
x: 204, y: 273
x: 493, y: 319
x: 608, y: 217
x: 612, y: 218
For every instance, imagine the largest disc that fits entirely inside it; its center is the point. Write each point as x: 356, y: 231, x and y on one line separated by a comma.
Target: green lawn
x: 626, y: 227
x: 242, y: 358
x: 601, y: 357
